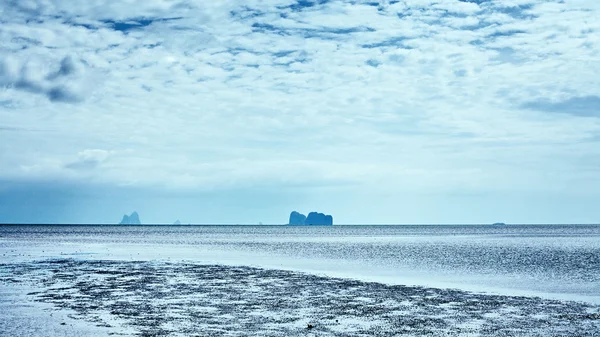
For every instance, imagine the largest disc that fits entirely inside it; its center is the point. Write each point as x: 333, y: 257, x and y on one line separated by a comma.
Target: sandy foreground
x: 67, y: 297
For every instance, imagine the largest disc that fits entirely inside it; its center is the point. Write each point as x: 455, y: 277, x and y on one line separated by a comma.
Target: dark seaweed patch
x: 159, y: 299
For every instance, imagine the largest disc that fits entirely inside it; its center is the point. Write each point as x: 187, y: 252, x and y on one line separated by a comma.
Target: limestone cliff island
x: 313, y: 219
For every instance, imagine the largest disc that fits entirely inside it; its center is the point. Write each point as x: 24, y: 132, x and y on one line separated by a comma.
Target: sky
x: 397, y: 112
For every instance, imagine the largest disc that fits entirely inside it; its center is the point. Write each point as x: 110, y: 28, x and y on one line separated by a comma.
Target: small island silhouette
x: 133, y: 219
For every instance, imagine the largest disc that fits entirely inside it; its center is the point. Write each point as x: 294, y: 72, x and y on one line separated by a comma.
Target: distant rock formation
x: 133, y: 219
x: 177, y: 222
x: 314, y: 218
x: 297, y: 218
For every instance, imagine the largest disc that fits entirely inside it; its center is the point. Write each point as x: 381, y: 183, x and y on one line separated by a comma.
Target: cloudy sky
x: 414, y: 111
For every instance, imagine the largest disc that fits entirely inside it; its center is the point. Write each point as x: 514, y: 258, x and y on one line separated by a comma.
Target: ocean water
x: 552, y: 261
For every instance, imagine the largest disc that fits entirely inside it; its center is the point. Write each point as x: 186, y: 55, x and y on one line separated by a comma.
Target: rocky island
x: 133, y: 219
x: 313, y: 219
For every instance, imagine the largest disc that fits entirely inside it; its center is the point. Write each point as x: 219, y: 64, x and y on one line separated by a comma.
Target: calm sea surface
x: 558, y: 261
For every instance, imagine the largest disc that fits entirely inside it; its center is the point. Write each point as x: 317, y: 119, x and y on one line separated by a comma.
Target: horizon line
x: 285, y: 224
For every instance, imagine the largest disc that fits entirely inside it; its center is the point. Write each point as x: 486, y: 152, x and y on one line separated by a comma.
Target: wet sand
x: 96, y: 297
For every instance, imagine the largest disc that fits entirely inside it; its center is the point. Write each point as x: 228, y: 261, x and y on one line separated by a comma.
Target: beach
x: 146, y: 298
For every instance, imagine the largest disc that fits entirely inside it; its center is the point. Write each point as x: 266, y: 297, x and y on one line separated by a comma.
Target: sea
x: 549, y: 261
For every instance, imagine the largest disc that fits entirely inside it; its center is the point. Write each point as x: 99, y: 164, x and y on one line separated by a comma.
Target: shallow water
x: 555, y: 261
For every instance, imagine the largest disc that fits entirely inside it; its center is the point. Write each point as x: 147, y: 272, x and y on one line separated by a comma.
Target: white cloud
x: 89, y: 159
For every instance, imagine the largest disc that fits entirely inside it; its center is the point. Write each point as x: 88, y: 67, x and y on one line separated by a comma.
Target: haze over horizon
x: 414, y: 111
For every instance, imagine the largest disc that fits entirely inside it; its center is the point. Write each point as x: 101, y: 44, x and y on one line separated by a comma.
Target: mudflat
x: 149, y: 298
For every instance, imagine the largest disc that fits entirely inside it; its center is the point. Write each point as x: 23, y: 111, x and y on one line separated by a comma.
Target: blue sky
x: 415, y: 111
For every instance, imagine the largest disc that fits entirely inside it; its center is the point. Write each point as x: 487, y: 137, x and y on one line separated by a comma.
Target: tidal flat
x: 154, y: 298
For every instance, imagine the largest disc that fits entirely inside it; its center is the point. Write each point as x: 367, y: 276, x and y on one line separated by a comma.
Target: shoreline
x: 163, y: 298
